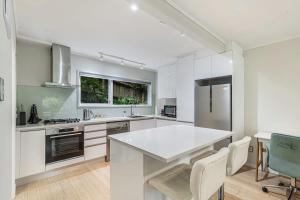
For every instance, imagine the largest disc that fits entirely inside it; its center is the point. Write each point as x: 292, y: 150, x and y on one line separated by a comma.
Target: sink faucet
x: 131, y: 110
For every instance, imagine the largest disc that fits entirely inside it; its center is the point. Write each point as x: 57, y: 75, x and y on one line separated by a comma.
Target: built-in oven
x: 64, y: 143
x: 170, y: 111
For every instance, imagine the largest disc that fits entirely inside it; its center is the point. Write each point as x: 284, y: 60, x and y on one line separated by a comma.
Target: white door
x: 185, y: 89
x: 32, y: 156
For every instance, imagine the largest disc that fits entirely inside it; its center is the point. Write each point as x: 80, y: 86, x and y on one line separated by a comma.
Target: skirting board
x: 55, y: 172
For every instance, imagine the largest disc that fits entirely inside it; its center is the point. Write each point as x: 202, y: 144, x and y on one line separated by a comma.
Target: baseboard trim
x: 54, y: 172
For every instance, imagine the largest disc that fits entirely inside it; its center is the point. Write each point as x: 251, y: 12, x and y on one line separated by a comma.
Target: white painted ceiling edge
x: 171, y: 15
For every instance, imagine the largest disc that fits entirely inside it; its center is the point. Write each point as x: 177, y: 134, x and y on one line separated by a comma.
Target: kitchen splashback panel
x: 62, y: 103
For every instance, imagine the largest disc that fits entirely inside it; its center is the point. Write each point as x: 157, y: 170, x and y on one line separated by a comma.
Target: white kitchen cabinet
x: 32, y: 153
x: 214, y: 66
x: 221, y: 65
x: 202, y: 68
x: 166, y: 79
x: 142, y: 124
x: 18, y: 154
x: 93, y: 152
x: 185, y: 89
x: 163, y: 122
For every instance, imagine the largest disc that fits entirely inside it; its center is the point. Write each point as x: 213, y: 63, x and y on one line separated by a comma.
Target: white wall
x: 7, y: 107
x: 34, y: 68
x: 272, y: 89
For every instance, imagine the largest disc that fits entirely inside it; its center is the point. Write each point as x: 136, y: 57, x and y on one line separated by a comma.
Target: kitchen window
x: 107, y: 91
x: 94, y: 90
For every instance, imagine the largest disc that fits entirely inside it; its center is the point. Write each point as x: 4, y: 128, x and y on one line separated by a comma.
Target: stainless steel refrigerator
x: 213, y: 105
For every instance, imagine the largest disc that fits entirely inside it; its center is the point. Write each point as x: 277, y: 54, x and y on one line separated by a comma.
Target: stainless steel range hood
x: 61, y: 67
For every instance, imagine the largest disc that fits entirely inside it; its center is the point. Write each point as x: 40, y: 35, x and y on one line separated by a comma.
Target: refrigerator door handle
x: 210, y: 99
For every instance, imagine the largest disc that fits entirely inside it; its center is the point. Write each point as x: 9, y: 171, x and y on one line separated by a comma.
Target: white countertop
x: 171, y: 142
x: 41, y: 125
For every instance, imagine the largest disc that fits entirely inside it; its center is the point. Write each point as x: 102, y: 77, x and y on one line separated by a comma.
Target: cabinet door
x: 162, y: 83
x: 162, y: 123
x: 142, y: 124
x: 17, y: 153
x: 172, y: 81
x: 185, y: 89
x: 166, y: 82
x: 202, y: 68
x: 222, y: 65
x: 32, y: 153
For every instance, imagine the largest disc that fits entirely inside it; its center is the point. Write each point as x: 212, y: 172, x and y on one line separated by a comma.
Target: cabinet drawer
x: 93, y: 142
x: 95, y: 127
x: 96, y: 134
x: 95, y: 152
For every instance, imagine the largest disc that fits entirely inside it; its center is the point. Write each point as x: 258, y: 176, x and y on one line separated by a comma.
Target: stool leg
x: 221, y: 193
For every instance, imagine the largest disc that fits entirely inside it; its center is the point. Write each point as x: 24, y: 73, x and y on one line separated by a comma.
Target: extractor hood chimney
x: 61, y: 67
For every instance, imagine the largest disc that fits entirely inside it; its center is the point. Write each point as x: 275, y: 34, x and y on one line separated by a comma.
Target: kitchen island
x: 140, y: 155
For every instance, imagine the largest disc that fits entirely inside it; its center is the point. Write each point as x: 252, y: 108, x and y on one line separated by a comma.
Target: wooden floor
x: 90, y: 181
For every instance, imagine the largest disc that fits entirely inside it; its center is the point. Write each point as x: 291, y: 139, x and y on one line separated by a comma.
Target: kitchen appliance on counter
x: 88, y: 114
x: 213, y: 105
x: 115, y: 128
x: 34, y: 117
x: 62, y: 121
x: 169, y: 111
x: 63, y: 143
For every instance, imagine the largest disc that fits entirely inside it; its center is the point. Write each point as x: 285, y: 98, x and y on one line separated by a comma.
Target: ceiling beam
x: 167, y: 13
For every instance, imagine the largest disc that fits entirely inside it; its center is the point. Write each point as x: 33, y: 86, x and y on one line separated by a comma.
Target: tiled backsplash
x: 62, y: 103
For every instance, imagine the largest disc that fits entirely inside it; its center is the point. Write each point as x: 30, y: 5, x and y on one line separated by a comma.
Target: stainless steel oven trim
x: 67, y: 135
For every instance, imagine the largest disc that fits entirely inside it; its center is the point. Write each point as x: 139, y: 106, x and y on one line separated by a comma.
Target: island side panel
x: 126, y: 173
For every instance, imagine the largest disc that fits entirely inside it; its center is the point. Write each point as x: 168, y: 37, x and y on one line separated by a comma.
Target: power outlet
x: 250, y: 149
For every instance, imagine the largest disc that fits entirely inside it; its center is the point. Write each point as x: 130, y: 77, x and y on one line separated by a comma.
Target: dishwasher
x: 115, y: 128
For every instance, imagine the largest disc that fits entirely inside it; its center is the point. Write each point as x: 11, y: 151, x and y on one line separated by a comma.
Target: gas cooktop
x: 62, y: 121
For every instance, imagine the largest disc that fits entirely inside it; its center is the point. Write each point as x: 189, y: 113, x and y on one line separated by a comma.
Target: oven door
x: 64, y: 146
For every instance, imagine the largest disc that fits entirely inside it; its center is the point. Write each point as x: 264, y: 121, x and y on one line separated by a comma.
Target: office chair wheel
x: 264, y: 189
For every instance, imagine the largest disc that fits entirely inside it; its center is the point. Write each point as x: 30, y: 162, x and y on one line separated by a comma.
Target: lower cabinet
x: 95, y: 141
x: 142, y: 124
x: 163, y: 122
x: 32, y: 153
x: 93, y: 152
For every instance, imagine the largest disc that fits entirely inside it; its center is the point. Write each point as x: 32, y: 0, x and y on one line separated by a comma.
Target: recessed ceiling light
x: 134, y: 7
x: 142, y: 67
x: 230, y: 61
x: 182, y: 34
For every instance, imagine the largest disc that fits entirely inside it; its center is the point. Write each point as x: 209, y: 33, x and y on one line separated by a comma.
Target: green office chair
x: 284, y: 157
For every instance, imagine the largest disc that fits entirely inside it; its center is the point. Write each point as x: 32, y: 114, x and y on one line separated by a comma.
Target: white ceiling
x: 109, y: 26
x: 251, y: 23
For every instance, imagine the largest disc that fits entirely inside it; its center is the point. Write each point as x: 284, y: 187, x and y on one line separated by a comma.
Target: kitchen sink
x: 136, y: 116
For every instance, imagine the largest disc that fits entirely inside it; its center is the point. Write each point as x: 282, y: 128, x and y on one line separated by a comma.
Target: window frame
x: 110, y: 91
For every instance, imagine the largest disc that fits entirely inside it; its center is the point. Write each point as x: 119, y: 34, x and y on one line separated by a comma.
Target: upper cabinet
x: 214, y: 66
x: 202, y: 68
x: 185, y: 89
x: 166, y: 82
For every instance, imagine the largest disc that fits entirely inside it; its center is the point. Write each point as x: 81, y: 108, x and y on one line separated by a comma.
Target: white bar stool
x: 199, y: 182
x: 237, y: 157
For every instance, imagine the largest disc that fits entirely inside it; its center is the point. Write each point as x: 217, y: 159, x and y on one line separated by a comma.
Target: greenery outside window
x: 128, y: 93
x: 105, y: 91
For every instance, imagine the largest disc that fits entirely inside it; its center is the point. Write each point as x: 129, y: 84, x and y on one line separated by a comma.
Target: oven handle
x: 60, y: 136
